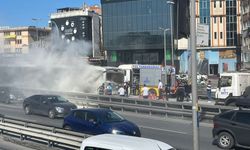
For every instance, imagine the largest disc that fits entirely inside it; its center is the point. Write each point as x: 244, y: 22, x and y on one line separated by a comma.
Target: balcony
x: 9, y: 36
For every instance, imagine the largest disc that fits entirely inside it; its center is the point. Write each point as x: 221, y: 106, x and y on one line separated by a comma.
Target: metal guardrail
x: 150, y: 107
x: 160, y: 108
x: 54, y: 137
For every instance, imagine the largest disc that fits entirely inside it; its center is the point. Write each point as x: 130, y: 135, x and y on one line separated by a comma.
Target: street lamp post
x: 172, y: 33
x: 165, y: 49
x: 165, y: 44
x: 194, y: 76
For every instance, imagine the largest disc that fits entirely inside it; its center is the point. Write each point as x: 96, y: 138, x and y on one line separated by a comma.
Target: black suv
x: 232, y: 129
x: 50, y: 105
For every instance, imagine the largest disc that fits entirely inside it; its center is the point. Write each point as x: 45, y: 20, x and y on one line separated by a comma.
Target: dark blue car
x: 99, y: 121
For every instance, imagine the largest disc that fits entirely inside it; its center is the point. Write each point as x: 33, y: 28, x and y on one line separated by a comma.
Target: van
x: 122, y: 142
x: 232, y: 84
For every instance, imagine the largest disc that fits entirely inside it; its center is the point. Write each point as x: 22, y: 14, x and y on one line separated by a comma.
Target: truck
x: 232, y: 85
x: 146, y: 74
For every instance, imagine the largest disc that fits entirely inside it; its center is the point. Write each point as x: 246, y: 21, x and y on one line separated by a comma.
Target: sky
x: 17, y: 13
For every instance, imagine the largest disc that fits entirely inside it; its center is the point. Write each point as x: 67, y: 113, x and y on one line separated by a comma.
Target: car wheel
x: 67, y: 127
x: 225, y: 140
x: 27, y: 110
x: 51, y: 114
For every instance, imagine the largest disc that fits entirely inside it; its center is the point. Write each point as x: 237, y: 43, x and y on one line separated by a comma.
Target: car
x: 99, y: 121
x: 122, y: 142
x: 232, y: 129
x: 50, y: 105
x: 9, y: 94
x: 243, y: 100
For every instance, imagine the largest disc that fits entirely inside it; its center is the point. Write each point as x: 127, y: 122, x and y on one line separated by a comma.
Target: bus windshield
x: 115, y: 76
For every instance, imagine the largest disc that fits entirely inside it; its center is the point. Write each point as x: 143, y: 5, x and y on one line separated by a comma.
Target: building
x: 223, y: 50
x: 79, y: 24
x: 220, y: 51
x: 245, y: 17
x: 133, y: 30
x: 20, y: 40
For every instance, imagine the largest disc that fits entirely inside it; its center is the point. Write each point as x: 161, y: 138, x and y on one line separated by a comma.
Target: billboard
x: 74, y: 28
x: 202, y: 33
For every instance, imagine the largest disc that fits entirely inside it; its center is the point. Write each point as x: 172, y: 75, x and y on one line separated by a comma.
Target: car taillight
x: 216, y: 125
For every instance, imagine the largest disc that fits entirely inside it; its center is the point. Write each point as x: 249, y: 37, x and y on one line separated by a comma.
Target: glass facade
x: 205, y: 14
x: 132, y: 33
x: 231, y: 22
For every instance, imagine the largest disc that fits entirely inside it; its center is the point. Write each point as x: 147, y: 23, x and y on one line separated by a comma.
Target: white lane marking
x: 173, y: 131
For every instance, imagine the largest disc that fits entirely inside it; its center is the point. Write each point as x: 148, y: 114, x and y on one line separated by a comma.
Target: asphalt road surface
x: 177, y: 133
x: 4, y: 145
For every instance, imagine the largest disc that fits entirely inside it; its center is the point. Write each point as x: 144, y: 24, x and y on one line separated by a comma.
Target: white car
x: 122, y: 142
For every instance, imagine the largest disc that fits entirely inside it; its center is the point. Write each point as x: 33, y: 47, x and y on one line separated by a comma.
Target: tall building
x: 245, y: 17
x: 79, y: 24
x: 133, y: 30
x: 19, y: 40
x: 223, y: 50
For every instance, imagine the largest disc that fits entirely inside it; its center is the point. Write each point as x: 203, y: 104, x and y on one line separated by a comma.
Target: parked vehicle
x: 99, y: 121
x: 231, y: 85
x: 122, y: 142
x: 232, y: 129
x: 8, y: 94
x: 242, y: 100
x: 50, y: 105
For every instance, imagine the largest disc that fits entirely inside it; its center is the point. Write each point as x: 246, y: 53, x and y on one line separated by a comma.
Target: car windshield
x: 57, y: 99
x: 225, y: 81
x: 112, y: 117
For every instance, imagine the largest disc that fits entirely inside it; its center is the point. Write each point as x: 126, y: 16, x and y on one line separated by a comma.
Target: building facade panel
x: 79, y: 25
x: 134, y: 36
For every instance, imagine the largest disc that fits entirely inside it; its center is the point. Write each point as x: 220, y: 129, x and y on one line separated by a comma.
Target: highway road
x: 177, y: 133
x: 5, y: 145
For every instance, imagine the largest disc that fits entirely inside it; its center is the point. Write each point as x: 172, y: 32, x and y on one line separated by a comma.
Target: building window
x: 214, y: 4
x: 220, y: 19
x: 215, y: 35
x: 6, y: 42
x: 18, y: 50
x: 221, y: 35
x: 204, y: 4
x: 214, y: 19
x: 18, y: 33
x: 205, y: 20
x: 220, y: 3
x: 231, y: 19
x: 6, y: 33
x: 19, y: 41
x: 7, y: 50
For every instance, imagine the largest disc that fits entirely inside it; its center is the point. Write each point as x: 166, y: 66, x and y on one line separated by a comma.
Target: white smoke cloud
x: 56, y: 65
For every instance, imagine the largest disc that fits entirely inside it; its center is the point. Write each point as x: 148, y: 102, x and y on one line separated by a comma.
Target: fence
x: 54, y: 137
x: 159, y: 108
